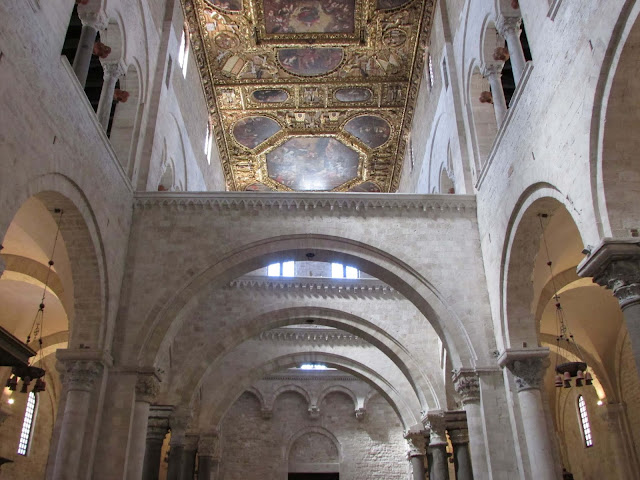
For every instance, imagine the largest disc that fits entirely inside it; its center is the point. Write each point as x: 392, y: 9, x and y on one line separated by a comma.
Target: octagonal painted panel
x: 309, y: 16
x: 252, y: 131
x: 374, y: 131
x: 312, y: 163
x: 310, y: 62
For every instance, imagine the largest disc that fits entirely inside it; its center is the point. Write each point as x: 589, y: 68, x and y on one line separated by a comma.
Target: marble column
x: 459, y: 436
x: 147, y: 387
x: 189, y: 454
x: 467, y: 386
x: 509, y: 28
x: 157, y: 428
x: 208, y: 456
x: 615, y: 264
x: 112, y: 72
x: 437, y: 449
x: 493, y: 73
x: 79, y: 379
x: 178, y: 424
x: 91, y: 23
x: 417, y: 442
x: 528, y: 366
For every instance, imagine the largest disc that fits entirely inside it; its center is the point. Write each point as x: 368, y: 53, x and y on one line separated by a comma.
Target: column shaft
x: 138, y: 443
x: 188, y: 464
x: 72, y: 435
x: 417, y: 465
x: 82, y: 59
x: 516, y: 53
x: 176, y: 459
x: 499, y: 102
x: 438, y: 468
x: 631, y: 314
x: 205, y: 467
x: 111, y: 74
x: 152, y: 458
x: 476, y: 439
x: 537, y: 438
x: 462, y: 461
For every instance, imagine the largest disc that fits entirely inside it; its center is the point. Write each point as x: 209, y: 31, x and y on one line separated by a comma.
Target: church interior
x: 319, y: 239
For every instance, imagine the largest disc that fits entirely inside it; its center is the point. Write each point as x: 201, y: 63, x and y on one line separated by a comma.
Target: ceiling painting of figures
x: 310, y: 95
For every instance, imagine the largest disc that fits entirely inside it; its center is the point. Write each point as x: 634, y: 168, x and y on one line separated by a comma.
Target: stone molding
x: 467, y: 385
x: 147, y: 387
x: 337, y: 204
x: 313, y: 336
x: 304, y: 285
x: 527, y: 366
x: 306, y: 376
x: 615, y: 264
x: 506, y: 25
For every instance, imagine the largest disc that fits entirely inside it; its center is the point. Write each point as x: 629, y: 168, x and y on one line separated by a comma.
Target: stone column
x: 91, y: 23
x: 208, y: 456
x: 493, y: 73
x: 112, y: 72
x: 528, y: 366
x: 437, y: 450
x: 417, y: 441
x: 147, y: 388
x: 178, y: 424
x: 189, y: 462
x: 79, y: 379
x: 467, y: 386
x: 615, y: 264
x: 157, y: 428
x: 459, y: 436
x: 509, y: 28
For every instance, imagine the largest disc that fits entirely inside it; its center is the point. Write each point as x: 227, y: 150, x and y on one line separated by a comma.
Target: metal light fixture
x: 567, y: 370
x: 28, y: 373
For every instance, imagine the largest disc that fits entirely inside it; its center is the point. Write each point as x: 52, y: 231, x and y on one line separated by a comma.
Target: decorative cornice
x: 310, y: 284
x: 336, y: 203
x: 306, y: 376
x: 311, y: 335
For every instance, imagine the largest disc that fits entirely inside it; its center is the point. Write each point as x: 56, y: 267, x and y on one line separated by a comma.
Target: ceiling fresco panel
x: 280, y: 76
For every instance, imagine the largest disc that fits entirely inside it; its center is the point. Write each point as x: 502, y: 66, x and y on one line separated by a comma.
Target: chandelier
x: 565, y: 371
x: 25, y: 372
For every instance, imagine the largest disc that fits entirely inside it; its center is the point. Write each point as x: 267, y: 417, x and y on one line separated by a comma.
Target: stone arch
x: 518, y: 261
x: 258, y: 394
x: 288, y: 388
x: 615, y: 172
x: 159, y: 324
x: 322, y: 432
x: 213, y: 414
x: 83, y: 239
x: 340, y: 389
x: 421, y: 382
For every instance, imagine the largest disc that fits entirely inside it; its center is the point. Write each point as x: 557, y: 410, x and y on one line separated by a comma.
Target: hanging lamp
x: 565, y: 371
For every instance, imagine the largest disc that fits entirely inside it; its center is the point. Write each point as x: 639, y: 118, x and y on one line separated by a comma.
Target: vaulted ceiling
x: 310, y: 95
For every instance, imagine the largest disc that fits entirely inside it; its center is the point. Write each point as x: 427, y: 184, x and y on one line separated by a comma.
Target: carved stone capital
x: 615, y: 264
x: 98, y: 20
x: 437, y: 425
x: 466, y: 384
x: 508, y: 25
x: 81, y: 374
x: 417, y: 442
x: 147, y: 388
x: 459, y: 435
x: 112, y: 70
x: 527, y: 366
x: 178, y: 423
x: 361, y: 413
x: 314, y: 411
x: 492, y: 70
x: 157, y: 429
x: 209, y: 445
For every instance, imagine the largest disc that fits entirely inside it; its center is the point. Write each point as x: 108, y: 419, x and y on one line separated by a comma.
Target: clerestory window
x: 584, y: 422
x: 338, y: 270
x: 281, y: 269
x: 27, y: 425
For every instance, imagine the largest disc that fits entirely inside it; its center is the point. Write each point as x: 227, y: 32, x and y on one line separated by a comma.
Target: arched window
x: 183, y: 53
x: 27, y: 425
x: 584, y: 422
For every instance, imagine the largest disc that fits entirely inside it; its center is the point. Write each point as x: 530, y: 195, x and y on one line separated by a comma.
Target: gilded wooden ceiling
x: 310, y: 95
